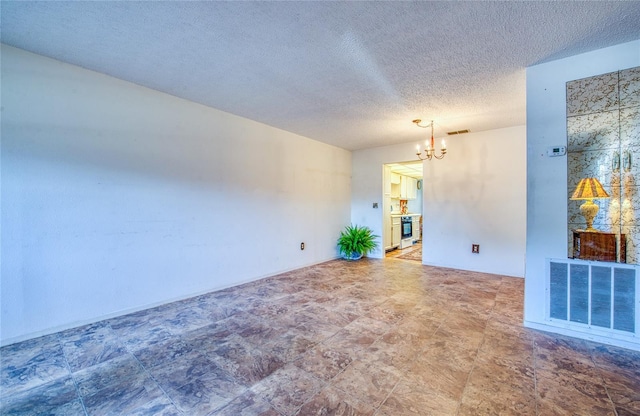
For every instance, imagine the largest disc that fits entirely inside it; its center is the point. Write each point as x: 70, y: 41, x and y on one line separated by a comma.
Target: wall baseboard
x: 76, y: 324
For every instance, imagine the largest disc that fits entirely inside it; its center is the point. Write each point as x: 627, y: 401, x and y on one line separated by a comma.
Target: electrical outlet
x: 475, y: 248
x: 301, y: 246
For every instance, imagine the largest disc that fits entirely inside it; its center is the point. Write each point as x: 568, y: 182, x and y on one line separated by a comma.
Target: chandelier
x: 429, y: 151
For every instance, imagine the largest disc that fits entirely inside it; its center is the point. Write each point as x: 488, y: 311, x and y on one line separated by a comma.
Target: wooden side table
x: 596, y: 245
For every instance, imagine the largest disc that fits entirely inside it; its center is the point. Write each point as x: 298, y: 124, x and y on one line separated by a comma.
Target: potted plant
x: 356, y: 241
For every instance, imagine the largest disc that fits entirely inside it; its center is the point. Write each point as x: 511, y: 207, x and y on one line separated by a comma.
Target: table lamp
x: 589, y: 189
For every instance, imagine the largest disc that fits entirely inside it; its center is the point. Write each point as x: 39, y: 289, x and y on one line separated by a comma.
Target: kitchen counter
x: 404, y: 215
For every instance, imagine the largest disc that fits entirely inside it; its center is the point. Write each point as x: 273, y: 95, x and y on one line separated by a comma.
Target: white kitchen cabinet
x: 408, y: 187
x: 412, y: 188
x: 396, y: 231
x: 415, y: 228
x: 394, y: 184
x: 395, y: 190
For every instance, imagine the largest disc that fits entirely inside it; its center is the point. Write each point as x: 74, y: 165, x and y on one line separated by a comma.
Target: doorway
x: 402, y: 213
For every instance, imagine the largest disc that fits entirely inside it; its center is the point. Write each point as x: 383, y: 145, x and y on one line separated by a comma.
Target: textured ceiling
x: 352, y: 74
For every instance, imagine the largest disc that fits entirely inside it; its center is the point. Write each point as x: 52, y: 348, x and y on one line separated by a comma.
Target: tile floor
x: 413, y: 253
x: 374, y: 337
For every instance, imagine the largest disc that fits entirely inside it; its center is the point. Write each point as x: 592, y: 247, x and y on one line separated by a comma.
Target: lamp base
x: 589, y: 210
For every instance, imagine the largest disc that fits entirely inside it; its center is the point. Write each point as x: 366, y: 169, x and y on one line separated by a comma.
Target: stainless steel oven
x: 406, y: 224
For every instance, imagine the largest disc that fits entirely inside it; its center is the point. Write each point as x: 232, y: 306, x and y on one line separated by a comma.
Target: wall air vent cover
x: 451, y: 133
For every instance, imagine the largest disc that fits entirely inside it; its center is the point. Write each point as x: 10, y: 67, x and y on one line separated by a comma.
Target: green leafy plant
x: 356, y: 241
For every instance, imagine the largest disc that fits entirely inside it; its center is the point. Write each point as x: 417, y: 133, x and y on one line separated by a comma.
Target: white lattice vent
x: 594, y: 295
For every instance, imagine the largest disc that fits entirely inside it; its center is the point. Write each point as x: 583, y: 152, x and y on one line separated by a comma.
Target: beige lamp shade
x: 589, y: 189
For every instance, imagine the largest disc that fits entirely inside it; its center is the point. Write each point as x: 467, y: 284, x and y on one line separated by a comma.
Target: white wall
x: 367, y: 186
x: 547, y: 177
x: 476, y: 194
x: 117, y: 197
